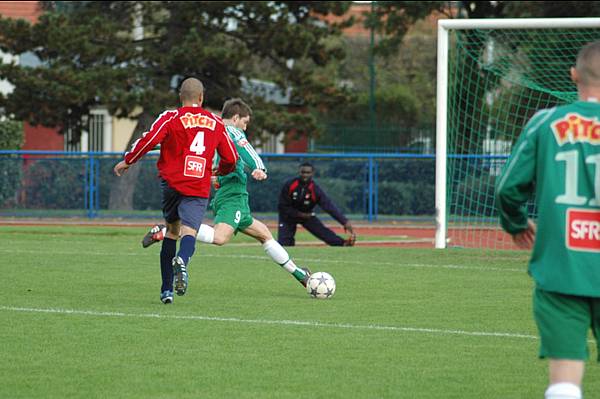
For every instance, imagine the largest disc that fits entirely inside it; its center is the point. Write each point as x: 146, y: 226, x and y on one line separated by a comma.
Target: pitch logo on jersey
x: 194, y: 166
x: 575, y: 128
x: 190, y: 120
x: 583, y: 230
x: 242, y: 142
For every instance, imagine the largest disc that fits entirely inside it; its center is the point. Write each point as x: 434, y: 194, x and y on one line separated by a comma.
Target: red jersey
x: 188, y: 138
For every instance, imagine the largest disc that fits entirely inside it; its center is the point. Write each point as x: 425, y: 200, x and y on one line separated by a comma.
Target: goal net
x: 493, y: 75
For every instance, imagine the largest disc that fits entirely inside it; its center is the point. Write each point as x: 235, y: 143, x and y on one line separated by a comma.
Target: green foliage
x: 148, y: 192
x: 408, y: 170
x: 64, y: 184
x: 475, y: 196
x: 343, y: 181
x: 90, y: 55
x: 392, y: 19
x: 395, y: 104
x: 405, y: 90
x: 11, y: 138
x: 55, y: 184
x: 406, y: 187
x: 10, y: 179
x: 530, y: 9
x: 86, y: 60
x: 400, y: 116
x: 398, y: 198
x: 11, y: 135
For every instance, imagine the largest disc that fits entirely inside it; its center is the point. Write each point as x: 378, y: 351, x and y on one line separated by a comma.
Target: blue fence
x: 364, y: 186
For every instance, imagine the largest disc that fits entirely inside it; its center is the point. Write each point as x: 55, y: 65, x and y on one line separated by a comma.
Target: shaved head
x: 192, y: 91
x: 588, y: 64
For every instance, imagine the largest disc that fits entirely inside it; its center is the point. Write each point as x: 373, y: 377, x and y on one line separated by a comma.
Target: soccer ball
x: 320, y: 285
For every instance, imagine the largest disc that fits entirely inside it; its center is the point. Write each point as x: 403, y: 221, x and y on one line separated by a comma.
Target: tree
x: 392, y: 20
x: 92, y: 54
x: 405, y: 71
x: 409, y: 63
x: 530, y: 9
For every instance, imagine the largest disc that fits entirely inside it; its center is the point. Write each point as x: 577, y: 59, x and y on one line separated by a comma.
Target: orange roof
x: 357, y: 11
x: 28, y: 10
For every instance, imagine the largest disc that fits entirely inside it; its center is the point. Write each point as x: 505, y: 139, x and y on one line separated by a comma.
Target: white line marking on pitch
x: 498, y: 269
x: 315, y: 261
x: 374, y: 327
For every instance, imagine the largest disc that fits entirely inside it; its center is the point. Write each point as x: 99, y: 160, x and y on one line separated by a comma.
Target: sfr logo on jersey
x: 583, y: 230
x: 194, y: 166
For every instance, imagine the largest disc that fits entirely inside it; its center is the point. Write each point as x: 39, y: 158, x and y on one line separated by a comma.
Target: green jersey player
x: 557, y: 158
x: 230, y: 203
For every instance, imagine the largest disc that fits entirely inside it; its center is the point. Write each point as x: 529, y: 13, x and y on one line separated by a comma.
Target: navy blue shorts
x: 175, y: 206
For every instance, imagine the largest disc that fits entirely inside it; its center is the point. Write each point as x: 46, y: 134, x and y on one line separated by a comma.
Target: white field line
x: 372, y: 327
x: 265, y: 258
x: 346, y: 262
x: 358, y: 244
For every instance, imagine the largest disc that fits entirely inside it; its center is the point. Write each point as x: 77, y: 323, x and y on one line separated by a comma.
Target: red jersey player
x: 188, y: 138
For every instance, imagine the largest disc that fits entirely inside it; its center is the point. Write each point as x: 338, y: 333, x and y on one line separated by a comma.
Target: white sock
x: 563, y: 390
x: 279, y: 255
x: 206, y: 234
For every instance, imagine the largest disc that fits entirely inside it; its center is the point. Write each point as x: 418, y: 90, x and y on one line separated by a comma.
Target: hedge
x: 405, y: 187
x: 11, y: 138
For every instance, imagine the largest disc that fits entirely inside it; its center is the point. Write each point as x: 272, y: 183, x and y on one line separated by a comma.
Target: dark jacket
x: 297, y: 197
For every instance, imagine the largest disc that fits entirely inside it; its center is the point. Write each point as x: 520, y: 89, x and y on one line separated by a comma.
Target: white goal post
x: 444, y: 27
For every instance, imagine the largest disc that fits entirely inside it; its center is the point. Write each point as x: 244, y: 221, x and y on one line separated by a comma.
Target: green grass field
x: 81, y: 318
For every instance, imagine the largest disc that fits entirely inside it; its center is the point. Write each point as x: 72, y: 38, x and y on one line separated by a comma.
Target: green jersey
x: 235, y: 182
x: 557, y: 158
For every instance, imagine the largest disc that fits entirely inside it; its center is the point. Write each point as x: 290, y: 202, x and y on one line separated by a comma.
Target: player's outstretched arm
x: 259, y: 174
x: 121, y: 168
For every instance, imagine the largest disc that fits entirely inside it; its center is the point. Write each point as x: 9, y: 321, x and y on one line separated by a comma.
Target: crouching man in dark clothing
x: 297, y: 199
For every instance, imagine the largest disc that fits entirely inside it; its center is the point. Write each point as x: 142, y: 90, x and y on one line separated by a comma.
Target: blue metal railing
x: 371, y: 170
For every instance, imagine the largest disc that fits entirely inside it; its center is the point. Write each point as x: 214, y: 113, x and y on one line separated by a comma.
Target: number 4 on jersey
x: 197, y: 145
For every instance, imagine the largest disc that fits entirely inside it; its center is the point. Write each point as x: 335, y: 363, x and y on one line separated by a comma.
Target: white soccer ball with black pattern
x: 320, y: 285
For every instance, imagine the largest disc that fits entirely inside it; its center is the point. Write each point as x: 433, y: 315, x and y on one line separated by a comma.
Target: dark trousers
x: 287, y: 231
